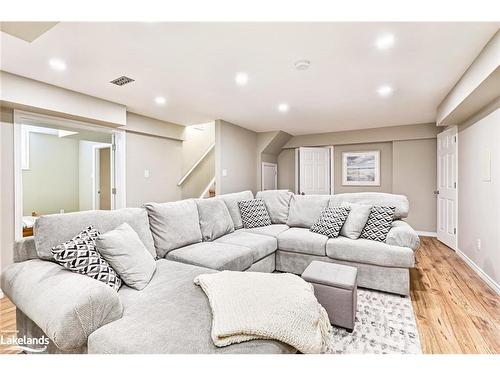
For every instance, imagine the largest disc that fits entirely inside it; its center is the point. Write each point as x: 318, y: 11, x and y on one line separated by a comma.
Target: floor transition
x: 456, y: 311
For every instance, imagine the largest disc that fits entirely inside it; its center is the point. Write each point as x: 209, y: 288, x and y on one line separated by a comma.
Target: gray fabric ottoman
x: 335, y: 287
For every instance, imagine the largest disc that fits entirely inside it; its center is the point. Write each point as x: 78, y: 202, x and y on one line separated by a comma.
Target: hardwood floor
x: 456, y: 311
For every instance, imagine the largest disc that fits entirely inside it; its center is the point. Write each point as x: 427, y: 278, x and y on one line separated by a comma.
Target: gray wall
x: 479, y: 200
x: 235, y: 151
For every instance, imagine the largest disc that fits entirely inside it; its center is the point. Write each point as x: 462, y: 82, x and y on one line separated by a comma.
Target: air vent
x: 120, y: 81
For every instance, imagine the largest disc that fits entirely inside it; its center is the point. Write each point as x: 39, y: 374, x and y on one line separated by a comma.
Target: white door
x: 269, y: 176
x: 314, y: 170
x: 447, y: 152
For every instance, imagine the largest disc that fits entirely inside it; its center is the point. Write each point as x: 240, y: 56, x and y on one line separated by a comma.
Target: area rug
x: 385, y: 324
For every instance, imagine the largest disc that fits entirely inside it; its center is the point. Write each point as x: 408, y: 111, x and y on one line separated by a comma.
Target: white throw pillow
x: 356, y: 220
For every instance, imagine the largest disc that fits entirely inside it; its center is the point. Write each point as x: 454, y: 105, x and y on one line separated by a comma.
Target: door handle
x: 436, y: 192
x: 302, y: 193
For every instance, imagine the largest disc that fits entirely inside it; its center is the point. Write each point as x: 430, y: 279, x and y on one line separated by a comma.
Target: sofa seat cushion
x: 215, y: 255
x: 402, y: 234
x: 272, y: 230
x: 277, y: 204
x: 261, y: 245
x: 369, y: 252
x: 302, y: 240
x: 170, y: 315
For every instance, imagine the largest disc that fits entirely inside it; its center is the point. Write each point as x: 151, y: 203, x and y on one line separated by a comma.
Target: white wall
x: 479, y: 200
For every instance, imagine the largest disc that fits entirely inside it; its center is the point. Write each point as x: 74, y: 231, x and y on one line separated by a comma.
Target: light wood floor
x: 456, y: 312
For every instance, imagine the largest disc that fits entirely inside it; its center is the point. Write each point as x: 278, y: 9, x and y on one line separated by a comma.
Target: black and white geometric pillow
x: 379, y: 223
x: 254, y: 213
x: 330, y: 221
x: 80, y: 255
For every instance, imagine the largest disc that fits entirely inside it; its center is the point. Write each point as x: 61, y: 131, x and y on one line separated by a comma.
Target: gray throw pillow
x: 124, y: 251
x: 356, y: 220
x: 331, y: 221
x: 277, y: 203
x: 215, y: 220
x: 305, y: 209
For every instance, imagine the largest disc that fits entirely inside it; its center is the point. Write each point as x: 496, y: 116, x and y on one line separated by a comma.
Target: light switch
x: 224, y: 172
x: 486, y: 165
x: 146, y: 173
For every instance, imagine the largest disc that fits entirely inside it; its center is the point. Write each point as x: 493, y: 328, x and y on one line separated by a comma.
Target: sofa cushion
x: 51, y: 230
x: 369, y: 252
x: 215, y: 220
x: 402, y: 234
x: 254, y: 213
x: 124, y: 251
x: 378, y: 224
x: 170, y: 315
x: 272, y: 230
x: 261, y: 245
x: 301, y: 240
x: 173, y: 224
x: 305, y: 209
x: 277, y: 204
x: 356, y: 220
x: 215, y: 255
x: 330, y: 221
x: 375, y: 199
x: 231, y: 200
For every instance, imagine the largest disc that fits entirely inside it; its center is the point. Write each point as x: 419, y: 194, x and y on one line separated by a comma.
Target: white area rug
x: 385, y: 324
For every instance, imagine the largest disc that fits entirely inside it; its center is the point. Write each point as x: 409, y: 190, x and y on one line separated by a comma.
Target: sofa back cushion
x: 173, y: 224
x: 277, y: 203
x: 374, y: 199
x: 215, y: 220
x: 52, y: 230
x: 305, y: 209
x: 231, y: 200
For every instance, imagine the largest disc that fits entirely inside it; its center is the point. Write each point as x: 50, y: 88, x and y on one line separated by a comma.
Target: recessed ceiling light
x: 283, y: 107
x: 385, y: 41
x: 241, y: 79
x: 302, y: 64
x: 57, y: 64
x: 160, y: 100
x: 385, y: 90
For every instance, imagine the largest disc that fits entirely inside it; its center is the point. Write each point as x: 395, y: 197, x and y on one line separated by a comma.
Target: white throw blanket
x: 253, y: 305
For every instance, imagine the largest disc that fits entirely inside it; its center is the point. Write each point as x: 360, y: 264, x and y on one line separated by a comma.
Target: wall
x: 286, y: 169
x: 147, y: 125
x: 479, y: 200
x: 235, y: 149
x: 414, y: 174
x: 269, y: 146
x: 51, y: 182
x: 161, y: 157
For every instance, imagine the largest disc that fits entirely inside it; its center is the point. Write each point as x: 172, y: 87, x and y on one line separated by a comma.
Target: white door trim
x: 266, y: 164
x: 329, y: 167
x: 35, y: 119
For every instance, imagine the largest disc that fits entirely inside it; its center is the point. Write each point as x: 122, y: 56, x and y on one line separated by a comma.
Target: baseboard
x: 1, y: 294
x: 488, y: 280
x: 426, y: 234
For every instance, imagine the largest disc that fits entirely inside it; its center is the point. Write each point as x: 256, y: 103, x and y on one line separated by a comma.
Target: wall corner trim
x: 426, y: 234
x: 487, y: 279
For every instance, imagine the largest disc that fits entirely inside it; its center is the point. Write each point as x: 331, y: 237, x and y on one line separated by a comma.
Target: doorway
x: 269, y: 176
x: 315, y: 170
x: 102, y: 182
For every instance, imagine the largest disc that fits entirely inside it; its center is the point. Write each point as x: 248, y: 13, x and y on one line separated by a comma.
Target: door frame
x: 96, y: 177
x: 296, y: 187
x: 453, y: 129
x: 267, y: 164
x: 30, y: 118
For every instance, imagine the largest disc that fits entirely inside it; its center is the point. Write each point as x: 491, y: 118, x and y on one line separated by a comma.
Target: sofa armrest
x: 24, y: 249
x: 402, y: 234
x: 67, y: 306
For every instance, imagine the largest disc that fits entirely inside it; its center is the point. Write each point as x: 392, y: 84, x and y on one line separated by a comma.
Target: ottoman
x: 335, y: 287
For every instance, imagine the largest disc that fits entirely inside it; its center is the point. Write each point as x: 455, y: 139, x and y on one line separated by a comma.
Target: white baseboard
x: 488, y: 280
x: 426, y: 234
x: 1, y: 294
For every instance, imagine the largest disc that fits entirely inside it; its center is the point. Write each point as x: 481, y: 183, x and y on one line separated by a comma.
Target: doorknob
x: 436, y: 192
x: 302, y: 193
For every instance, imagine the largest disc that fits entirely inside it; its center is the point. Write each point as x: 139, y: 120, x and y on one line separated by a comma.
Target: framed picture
x: 361, y: 168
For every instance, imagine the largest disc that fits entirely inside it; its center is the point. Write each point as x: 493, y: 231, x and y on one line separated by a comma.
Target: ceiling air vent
x: 120, y: 81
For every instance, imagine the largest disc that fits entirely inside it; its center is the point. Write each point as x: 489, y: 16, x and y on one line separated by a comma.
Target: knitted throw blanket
x: 253, y: 305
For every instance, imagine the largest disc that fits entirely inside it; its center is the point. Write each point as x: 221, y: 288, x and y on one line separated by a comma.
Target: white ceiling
x: 193, y: 65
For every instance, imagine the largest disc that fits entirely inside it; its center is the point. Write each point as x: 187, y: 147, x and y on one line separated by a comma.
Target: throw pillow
x: 330, y: 221
x: 356, y: 220
x: 379, y: 223
x: 124, y: 251
x: 254, y: 213
x: 79, y: 255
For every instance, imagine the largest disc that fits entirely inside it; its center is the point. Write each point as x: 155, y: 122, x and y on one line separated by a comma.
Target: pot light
x: 241, y: 79
x: 302, y: 64
x: 283, y: 107
x: 57, y: 64
x: 160, y: 100
x: 385, y: 90
x: 385, y: 41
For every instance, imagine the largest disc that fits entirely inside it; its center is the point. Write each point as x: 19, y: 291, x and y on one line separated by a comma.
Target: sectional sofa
x: 172, y: 315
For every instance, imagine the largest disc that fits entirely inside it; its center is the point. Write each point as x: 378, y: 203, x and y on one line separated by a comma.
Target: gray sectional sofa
x: 172, y: 315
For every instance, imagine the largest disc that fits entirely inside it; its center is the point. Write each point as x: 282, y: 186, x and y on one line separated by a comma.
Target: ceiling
x: 193, y: 65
